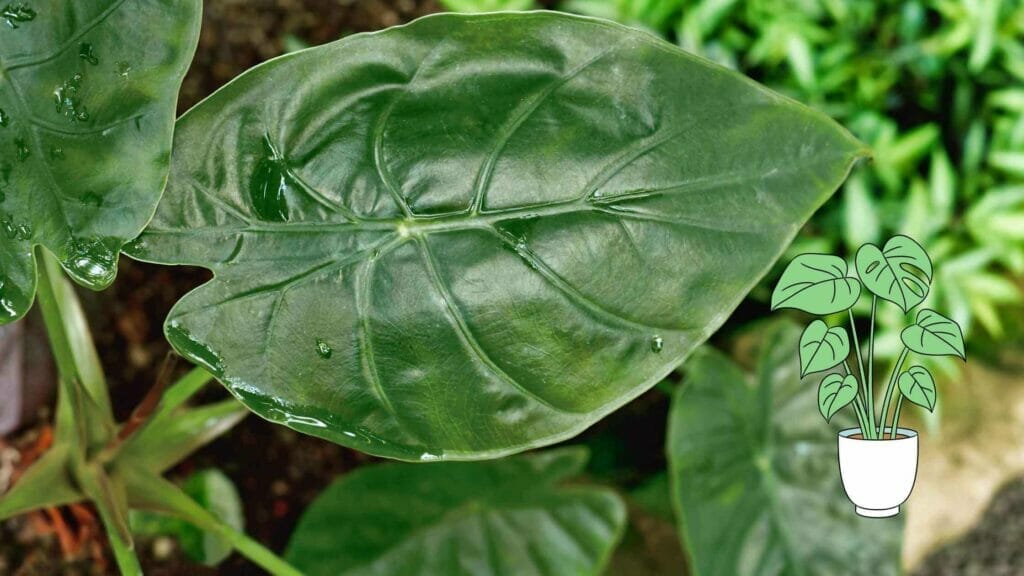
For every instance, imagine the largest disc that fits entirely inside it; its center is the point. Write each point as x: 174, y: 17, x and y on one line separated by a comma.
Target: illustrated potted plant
x: 877, y: 459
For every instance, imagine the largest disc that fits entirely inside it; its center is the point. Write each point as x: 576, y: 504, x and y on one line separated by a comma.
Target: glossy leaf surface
x: 900, y: 272
x: 933, y: 334
x: 87, y: 108
x: 835, y: 392
x: 477, y: 234
x: 504, y: 517
x: 918, y: 386
x: 822, y: 347
x: 755, y: 474
x: 816, y: 284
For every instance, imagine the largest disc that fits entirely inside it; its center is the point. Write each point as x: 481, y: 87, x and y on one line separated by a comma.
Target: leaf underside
x: 477, y: 234
x: 87, y: 109
x: 754, y: 473
x: 505, y: 517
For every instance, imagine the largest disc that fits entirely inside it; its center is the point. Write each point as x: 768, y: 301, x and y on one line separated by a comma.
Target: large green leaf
x: 87, y: 109
x: 933, y: 334
x: 900, y: 272
x: 755, y: 474
x: 816, y: 284
x: 477, y: 234
x: 822, y: 347
x: 505, y: 517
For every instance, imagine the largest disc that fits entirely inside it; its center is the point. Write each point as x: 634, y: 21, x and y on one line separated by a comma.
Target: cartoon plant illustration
x: 901, y: 273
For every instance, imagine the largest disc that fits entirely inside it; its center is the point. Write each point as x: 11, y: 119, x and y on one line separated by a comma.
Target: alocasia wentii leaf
x: 755, y: 474
x: 899, y: 272
x: 474, y: 235
x: 918, y: 386
x: 835, y: 392
x: 816, y: 284
x: 87, y: 109
x: 505, y: 517
x: 822, y: 347
x: 932, y: 334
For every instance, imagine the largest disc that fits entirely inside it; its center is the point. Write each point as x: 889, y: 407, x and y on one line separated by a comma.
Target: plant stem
x: 889, y: 389
x: 256, y: 552
x: 896, y: 417
x: 860, y: 365
x: 866, y: 429
x: 871, y: 362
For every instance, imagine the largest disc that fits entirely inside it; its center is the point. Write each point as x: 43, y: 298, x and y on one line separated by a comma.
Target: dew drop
x: 193, y: 349
x: 15, y: 13
x: 323, y: 349
x: 21, y: 149
x: 86, y: 52
x: 598, y: 194
x: 91, y: 262
x: 657, y: 344
x: 124, y: 69
x: 24, y: 232
x: 269, y: 186
x: 56, y: 153
x: 69, y: 102
x: 5, y: 118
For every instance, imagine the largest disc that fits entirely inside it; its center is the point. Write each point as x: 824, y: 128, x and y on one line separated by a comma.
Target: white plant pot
x: 878, y: 475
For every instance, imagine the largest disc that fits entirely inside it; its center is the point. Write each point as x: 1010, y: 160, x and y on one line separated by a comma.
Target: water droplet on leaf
x: 657, y: 344
x: 193, y: 349
x: 69, y: 101
x: 86, y: 52
x: 16, y: 13
x: 123, y: 69
x: 91, y: 262
x: 323, y: 349
x: 56, y: 153
x: 269, y: 186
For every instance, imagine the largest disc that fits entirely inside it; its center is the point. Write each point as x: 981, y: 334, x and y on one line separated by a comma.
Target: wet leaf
x: 84, y: 149
x: 504, y: 517
x: 477, y: 234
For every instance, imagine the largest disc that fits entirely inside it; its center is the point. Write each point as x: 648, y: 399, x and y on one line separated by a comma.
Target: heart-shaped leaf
x: 477, y: 234
x: 87, y: 109
x: 816, y: 284
x: 835, y: 392
x: 755, y: 478
x: 900, y: 272
x: 822, y: 347
x: 504, y: 517
x: 934, y: 335
x: 918, y: 386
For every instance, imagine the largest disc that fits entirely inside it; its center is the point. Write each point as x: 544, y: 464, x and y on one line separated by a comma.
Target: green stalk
x: 860, y: 365
x: 858, y: 406
x: 896, y: 417
x: 889, y: 389
x: 871, y: 363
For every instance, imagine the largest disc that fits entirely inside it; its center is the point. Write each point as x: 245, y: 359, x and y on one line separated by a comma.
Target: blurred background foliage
x: 935, y: 87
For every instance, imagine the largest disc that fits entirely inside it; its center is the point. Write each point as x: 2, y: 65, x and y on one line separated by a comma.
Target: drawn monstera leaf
x: 502, y: 518
x: 816, y: 284
x: 87, y: 108
x: 835, y: 392
x: 477, y: 234
x: 932, y: 334
x: 754, y: 473
x: 822, y: 347
x: 918, y: 386
x: 900, y: 272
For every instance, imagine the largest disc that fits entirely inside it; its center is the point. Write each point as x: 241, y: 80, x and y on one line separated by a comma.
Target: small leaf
x: 899, y: 273
x: 934, y: 335
x: 835, y: 392
x: 500, y: 517
x: 816, y: 284
x: 918, y: 386
x: 822, y: 347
